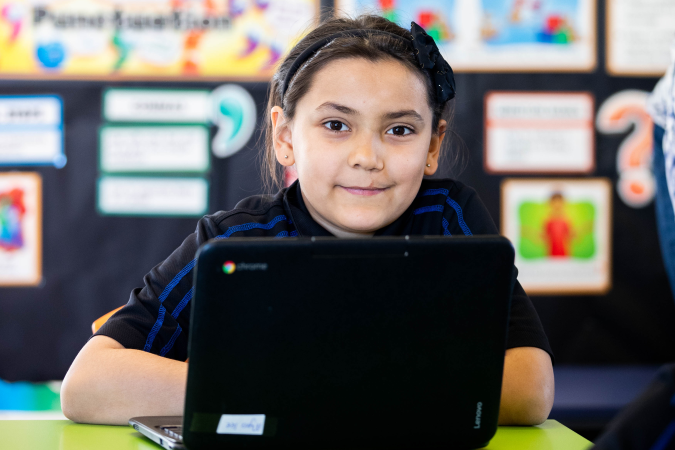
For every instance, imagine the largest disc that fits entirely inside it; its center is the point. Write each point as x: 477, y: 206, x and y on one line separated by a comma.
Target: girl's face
x: 361, y: 140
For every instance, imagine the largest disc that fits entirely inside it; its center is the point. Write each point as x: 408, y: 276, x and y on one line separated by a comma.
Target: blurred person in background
x: 649, y: 421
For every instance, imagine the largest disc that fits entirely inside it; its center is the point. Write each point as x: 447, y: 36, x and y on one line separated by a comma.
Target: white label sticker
x: 156, y: 105
x: 30, y: 110
x: 157, y: 149
x: 250, y: 424
x: 639, y: 35
x: 140, y: 196
x: 31, y: 130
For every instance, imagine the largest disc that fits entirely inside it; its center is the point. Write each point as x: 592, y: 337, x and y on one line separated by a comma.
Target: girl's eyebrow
x: 388, y: 116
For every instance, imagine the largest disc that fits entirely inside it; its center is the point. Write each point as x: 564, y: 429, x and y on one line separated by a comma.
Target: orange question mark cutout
x: 618, y: 114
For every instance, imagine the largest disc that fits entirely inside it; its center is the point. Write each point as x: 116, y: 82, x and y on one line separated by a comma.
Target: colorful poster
x: 31, y: 130
x: 149, y: 39
x: 561, y: 231
x: 539, y: 132
x: 499, y: 35
x: 20, y: 229
x: 153, y: 196
x: 639, y: 36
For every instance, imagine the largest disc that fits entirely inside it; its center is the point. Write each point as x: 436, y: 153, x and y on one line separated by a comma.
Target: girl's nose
x: 365, y: 155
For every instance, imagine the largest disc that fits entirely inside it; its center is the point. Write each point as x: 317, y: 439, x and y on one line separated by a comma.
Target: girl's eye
x: 400, y: 131
x: 336, y: 125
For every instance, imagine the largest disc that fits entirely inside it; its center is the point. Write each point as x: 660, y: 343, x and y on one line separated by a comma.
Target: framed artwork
x: 149, y: 39
x: 539, y: 132
x: 499, y: 35
x: 639, y: 37
x: 561, y: 231
x: 20, y: 229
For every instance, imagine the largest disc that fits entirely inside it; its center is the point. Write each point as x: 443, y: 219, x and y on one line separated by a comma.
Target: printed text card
x: 546, y: 132
x: 154, y: 148
x: 31, y: 130
x: 639, y: 36
x: 153, y: 196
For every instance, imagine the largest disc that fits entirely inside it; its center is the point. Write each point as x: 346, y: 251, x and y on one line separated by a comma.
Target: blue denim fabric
x: 665, y: 218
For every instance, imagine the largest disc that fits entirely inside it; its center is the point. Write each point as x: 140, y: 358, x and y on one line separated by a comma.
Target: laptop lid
x: 380, y: 343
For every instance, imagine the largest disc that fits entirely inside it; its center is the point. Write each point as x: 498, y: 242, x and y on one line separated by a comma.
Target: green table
x: 67, y: 435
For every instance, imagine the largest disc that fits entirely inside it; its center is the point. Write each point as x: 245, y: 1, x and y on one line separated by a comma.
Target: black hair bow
x: 431, y: 60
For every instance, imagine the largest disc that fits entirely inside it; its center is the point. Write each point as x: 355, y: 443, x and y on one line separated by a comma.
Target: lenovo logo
x: 479, y: 412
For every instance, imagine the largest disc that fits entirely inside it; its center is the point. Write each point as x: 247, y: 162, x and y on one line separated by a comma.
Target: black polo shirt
x: 157, y: 317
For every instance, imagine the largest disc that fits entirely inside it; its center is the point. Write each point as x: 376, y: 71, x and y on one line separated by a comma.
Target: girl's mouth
x: 364, y: 191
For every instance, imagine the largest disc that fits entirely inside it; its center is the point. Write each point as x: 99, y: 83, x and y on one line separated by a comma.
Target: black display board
x: 91, y: 262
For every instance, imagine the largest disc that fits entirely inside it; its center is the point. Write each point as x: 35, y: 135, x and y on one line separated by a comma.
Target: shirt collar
x: 307, y: 226
x: 299, y: 214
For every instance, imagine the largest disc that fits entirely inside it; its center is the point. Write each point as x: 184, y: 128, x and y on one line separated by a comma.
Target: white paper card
x: 248, y: 424
x: 154, y: 149
x: 639, y: 36
x: 152, y: 196
x: 157, y: 105
x: 539, y: 132
x: 31, y: 130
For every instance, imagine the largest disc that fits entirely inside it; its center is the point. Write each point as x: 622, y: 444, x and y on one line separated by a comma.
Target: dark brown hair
x: 374, y: 47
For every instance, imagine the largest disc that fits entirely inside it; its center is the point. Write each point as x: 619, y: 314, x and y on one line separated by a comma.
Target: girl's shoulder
x: 456, y: 190
x: 258, y: 215
x: 461, y: 205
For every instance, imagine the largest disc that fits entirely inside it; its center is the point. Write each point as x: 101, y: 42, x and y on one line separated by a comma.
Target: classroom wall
x: 92, y: 262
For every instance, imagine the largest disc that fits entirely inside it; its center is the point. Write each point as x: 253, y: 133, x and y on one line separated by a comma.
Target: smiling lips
x: 364, y: 191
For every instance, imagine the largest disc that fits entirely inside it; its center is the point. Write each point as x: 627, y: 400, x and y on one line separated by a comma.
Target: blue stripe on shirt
x: 175, y: 314
x: 446, y: 232
x: 426, y: 209
x: 455, y: 206
x: 179, y: 276
x: 172, y: 341
x: 460, y: 216
x: 250, y: 226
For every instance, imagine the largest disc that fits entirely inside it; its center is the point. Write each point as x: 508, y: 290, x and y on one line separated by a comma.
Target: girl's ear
x: 282, y: 137
x: 435, y: 148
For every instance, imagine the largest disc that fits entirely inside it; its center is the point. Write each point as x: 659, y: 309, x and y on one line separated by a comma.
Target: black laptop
x: 325, y: 343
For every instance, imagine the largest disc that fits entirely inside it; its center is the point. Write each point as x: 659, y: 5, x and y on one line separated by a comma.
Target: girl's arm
x: 109, y: 384
x: 527, y: 387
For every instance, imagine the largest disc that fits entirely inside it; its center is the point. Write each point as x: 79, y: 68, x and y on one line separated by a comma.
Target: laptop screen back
x: 385, y: 342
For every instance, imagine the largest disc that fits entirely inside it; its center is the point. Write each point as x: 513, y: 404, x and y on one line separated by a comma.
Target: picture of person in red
x: 558, y: 232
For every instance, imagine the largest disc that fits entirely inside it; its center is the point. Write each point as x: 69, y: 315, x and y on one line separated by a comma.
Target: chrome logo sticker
x: 229, y: 267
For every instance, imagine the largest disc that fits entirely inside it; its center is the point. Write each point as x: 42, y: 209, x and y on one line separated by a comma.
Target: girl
x: 359, y: 107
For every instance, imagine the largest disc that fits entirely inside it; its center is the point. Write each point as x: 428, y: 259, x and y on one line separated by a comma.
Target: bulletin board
x: 92, y: 261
